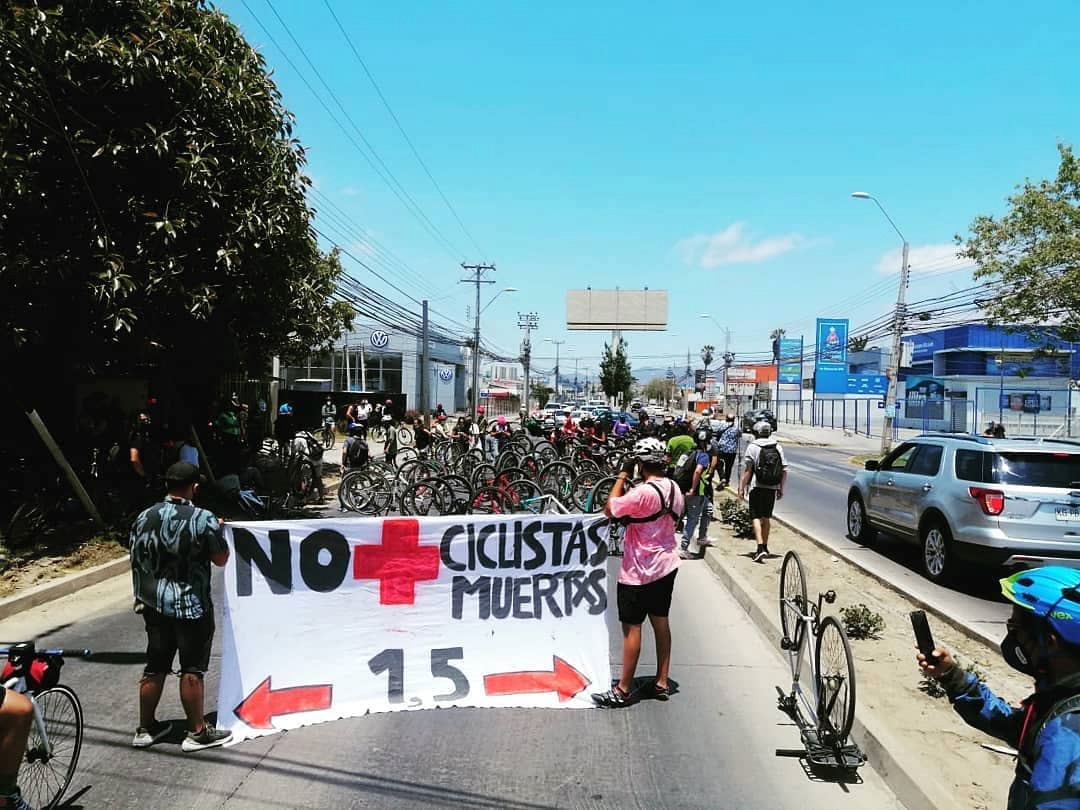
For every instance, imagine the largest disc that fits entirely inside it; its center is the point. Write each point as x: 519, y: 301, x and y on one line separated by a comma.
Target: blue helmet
x: 1052, y: 593
x: 284, y: 408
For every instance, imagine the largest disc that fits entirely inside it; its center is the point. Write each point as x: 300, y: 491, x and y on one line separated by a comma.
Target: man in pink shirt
x: 649, y: 564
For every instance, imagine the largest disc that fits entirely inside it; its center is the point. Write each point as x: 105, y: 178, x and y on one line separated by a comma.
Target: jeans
x: 491, y: 445
x: 697, y: 516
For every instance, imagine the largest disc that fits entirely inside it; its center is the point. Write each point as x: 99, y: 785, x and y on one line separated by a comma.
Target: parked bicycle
x: 825, y: 715
x: 56, y: 734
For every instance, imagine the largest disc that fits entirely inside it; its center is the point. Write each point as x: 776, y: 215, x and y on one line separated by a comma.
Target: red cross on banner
x: 398, y: 563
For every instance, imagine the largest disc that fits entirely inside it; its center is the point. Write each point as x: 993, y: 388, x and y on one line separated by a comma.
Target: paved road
x: 712, y: 745
x: 816, y: 501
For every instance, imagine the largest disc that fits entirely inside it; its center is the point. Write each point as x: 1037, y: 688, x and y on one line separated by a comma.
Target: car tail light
x: 992, y: 501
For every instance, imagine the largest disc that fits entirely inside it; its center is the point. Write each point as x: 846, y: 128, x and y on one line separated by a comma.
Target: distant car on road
x: 973, y: 501
x: 631, y: 419
x: 751, y: 418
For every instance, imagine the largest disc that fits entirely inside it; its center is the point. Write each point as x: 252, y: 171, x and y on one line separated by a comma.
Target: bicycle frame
x: 808, y: 621
x: 18, y: 684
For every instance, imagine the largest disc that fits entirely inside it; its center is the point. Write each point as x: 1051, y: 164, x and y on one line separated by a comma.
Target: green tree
x: 857, y: 343
x: 152, y: 201
x: 1032, y: 253
x: 657, y: 388
x: 542, y: 393
x: 707, y: 355
x: 615, y: 376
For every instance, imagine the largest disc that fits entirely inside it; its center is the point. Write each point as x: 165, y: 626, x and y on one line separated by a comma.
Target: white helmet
x: 763, y: 429
x: 649, y: 450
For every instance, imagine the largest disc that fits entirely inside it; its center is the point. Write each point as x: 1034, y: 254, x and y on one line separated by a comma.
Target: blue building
x: 962, y: 377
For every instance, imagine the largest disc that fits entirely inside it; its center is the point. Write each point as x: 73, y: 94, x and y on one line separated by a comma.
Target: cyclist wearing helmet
x: 1043, y: 641
x: 649, y: 564
x: 622, y: 426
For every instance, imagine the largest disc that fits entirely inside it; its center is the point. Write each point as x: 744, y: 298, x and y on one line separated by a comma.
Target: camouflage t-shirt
x: 171, y: 544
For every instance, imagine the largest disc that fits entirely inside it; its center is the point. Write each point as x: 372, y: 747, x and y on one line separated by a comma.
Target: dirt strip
x: 925, y: 736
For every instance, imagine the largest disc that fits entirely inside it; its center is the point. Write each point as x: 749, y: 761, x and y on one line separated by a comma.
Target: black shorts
x: 165, y: 636
x: 762, y: 502
x: 651, y: 599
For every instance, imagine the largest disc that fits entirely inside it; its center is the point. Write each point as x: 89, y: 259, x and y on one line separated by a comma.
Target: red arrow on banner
x: 562, y: 678
x: 265, y: 703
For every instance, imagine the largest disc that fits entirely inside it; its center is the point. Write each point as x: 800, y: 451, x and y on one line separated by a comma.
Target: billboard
x: 867, y: 384
x: 629, y: 310
x: 830, y: 366
x: 791, y: 350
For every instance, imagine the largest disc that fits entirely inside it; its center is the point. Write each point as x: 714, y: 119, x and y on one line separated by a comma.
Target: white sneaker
x: 144, y: 738
x: 209, y: 737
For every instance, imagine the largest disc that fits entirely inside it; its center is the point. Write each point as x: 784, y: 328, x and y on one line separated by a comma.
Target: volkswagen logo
x: 379, y: 339
x: 446, y: 374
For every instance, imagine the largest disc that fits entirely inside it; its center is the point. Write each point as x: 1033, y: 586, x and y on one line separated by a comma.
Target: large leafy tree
x: 152, y: 202
x: 615, y: 376
x: 1033, y: 252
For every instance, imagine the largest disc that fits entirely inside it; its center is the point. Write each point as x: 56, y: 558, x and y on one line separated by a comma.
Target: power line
x: 401, y: 129
x: 393, y: 184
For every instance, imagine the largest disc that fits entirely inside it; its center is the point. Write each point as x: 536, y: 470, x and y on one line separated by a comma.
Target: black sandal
x: 661, y: 692
x: 613, y: 698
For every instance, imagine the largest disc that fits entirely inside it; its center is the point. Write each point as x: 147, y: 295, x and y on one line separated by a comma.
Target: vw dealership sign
x: 446, y: 374
x: 380, y: 339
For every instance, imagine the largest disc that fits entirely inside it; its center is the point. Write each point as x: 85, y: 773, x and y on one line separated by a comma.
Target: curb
x: 914, y: 790
x: 63, y: 586
x: 972, y: 633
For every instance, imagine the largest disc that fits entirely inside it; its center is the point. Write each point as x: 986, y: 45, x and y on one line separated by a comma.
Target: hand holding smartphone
x: 923, y: 637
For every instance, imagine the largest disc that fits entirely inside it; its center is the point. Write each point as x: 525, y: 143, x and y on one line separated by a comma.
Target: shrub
x: 861, y: 622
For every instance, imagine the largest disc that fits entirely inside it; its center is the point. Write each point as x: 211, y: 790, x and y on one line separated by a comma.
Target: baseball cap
x: 182, y: 473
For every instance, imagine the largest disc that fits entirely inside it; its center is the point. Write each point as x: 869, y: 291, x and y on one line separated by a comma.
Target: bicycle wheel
x: 490, y: 501
x: 556, y: 479
x: 404, y: 436
x: 835, y: 682
x: 426, y: 497
x: 45, y: 775
x: 524, y: 495
x: 793, y: 602
x: 329, y: 437
x: 581, y: 489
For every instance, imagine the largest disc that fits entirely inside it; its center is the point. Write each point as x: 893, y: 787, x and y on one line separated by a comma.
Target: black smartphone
x: 923, y: 637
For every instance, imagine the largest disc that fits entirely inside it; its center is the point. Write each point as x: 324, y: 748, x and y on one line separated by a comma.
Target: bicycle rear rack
x: 819, y: 753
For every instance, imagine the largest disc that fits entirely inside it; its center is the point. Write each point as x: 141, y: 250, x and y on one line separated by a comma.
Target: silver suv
x: 974, y: 500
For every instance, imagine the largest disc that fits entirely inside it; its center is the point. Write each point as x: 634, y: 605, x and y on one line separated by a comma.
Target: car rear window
x: 974, y: 465
x: 1058, y: 470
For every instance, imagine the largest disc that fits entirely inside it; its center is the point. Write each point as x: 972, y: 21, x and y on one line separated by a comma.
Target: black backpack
x: 769, y: 469
x: 684, y: 470
x: 357, y: 454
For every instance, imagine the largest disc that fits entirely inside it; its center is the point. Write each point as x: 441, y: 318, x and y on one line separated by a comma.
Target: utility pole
x: 557, y: 343
x: 894, y: 357
x: 477, y: 270
x: 527, y: 321
x: 425, y: 361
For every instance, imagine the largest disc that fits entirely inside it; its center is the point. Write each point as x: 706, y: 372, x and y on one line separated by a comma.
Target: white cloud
x: 924, y: 259
x: 732, y: 245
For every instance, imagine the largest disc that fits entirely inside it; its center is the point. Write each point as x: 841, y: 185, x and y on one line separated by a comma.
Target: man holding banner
x: 649, y: 565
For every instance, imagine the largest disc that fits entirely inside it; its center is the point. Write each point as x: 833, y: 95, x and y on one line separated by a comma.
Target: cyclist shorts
x: 651, y: 599
x: 762, y: 502
x: 166, y: 636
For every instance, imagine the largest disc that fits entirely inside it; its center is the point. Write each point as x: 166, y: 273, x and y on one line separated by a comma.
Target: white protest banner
x: 336, y: 618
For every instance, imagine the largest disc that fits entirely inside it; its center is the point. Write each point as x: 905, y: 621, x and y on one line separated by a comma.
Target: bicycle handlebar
x: 62, y: 653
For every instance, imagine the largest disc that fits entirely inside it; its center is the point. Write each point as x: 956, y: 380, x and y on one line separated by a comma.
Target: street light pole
x: 557, y: 343
x: 898, y: 329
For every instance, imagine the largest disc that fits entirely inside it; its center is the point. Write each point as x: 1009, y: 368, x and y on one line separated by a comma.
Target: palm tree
x: 707, y: 355
x: 777, y: 334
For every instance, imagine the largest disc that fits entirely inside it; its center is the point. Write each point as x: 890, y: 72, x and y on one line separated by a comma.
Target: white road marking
x: 804, y: 467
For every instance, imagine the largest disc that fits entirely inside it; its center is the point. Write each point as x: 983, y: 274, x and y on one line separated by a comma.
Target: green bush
x: 861, y: 622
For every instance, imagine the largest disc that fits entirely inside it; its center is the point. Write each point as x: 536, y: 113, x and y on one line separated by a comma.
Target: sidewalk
x: 835, y: 437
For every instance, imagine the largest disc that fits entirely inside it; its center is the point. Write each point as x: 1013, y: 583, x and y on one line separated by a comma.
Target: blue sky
x: 707, y: 149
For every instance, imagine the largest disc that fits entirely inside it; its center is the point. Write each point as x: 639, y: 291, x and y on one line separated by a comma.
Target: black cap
x: 182, y: 473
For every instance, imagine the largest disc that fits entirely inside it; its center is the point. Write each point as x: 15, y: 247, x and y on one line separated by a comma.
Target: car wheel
x: 858, y: 523
x: 937, y: 560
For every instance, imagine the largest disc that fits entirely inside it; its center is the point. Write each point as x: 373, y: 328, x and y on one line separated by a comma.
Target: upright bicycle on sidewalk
x: 56, y: 734
x: 825, y: 714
